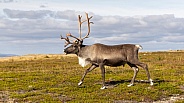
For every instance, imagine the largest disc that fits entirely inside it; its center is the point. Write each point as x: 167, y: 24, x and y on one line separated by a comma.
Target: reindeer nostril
x: 64, y: 51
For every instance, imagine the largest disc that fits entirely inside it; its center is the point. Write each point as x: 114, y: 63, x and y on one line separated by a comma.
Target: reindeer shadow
x: 112, y: 84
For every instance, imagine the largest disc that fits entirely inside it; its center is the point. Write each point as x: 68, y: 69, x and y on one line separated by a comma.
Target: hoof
x: 79, y: 83
x: 151, y: 82
x: 130, y: 85
x: 103, y: 88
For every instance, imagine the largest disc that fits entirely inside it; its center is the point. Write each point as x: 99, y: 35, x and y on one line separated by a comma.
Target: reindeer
x: 100, y: 55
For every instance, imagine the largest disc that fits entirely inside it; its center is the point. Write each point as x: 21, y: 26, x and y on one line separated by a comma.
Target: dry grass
x: 34, y: 57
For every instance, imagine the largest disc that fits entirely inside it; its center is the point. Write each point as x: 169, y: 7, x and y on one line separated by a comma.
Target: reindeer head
x: 77, y: 43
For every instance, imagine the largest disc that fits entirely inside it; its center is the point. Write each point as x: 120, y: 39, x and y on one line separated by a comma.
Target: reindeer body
x: 116, y: 55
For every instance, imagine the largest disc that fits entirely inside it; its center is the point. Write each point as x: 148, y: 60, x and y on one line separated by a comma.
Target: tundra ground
x: 54, y: 78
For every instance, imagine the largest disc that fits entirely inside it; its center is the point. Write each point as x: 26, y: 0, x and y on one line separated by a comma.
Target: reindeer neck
x: 81, y: 50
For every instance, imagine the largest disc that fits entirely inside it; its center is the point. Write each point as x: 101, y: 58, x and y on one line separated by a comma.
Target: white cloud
x: 173, y: 38
x: 6, y: 1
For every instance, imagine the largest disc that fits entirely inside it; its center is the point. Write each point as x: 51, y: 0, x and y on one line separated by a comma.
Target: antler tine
x: 80, y: 23
x: 67, y: 41
x: 88, y: 21
x: 69, y: 34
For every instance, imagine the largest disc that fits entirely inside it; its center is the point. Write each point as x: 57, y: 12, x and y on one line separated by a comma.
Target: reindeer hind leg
x: 136, y: 70
x: 145, y: 67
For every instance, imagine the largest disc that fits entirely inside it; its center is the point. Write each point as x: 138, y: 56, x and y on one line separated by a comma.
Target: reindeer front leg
x: 103, y: 76
x: 92, y: 67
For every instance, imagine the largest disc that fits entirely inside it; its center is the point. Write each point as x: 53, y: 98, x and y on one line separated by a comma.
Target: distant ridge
x: 7, y: 55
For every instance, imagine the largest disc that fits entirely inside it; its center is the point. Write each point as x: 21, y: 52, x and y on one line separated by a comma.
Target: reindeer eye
x: 76, y: 41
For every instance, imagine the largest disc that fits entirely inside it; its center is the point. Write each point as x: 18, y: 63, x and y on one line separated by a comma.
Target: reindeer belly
x: 114, y: 62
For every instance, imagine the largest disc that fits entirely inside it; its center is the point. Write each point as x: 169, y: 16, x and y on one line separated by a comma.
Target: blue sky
x: 34, y: 27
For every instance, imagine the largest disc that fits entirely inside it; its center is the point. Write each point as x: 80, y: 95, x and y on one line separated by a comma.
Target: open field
x: 54, y: 78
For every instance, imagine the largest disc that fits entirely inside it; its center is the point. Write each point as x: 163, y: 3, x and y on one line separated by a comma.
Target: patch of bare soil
x: 171, y: 99
x: 4, y: 97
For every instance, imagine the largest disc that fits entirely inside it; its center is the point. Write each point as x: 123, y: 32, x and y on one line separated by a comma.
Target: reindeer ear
x: 80, y: 43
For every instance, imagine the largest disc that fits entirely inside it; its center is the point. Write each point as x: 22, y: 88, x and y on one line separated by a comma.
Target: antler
x: 80, y: 23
